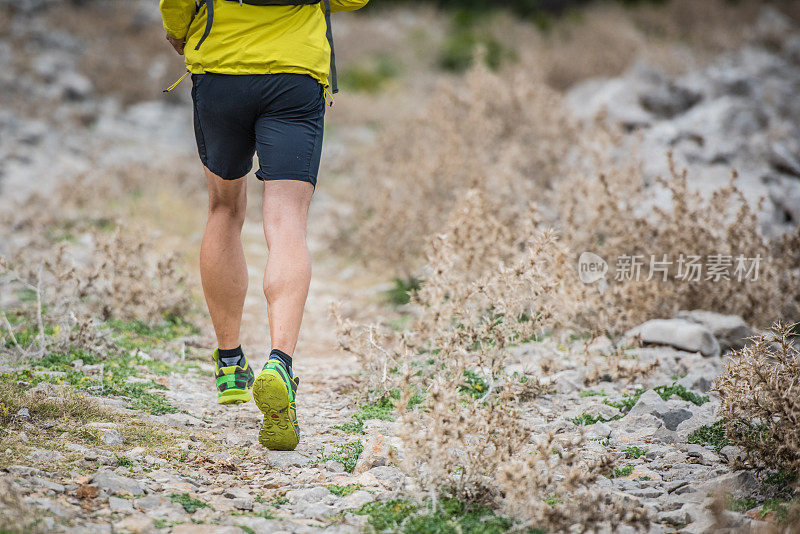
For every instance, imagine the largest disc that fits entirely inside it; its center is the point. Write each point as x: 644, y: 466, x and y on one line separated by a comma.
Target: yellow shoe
x: 274, y: 393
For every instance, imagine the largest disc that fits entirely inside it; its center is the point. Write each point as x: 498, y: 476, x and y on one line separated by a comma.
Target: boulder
x: 115, y: 484
x: 651, y: 403
x: 731, y: 331
x: 678, y: 333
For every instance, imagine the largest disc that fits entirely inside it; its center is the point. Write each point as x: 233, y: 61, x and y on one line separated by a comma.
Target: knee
x: 229, y: 209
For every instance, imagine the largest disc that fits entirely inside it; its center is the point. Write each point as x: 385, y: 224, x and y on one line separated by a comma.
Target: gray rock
x: 731, y: 331
x: 772, y: 26
x: 47, y: 484
x: 376, y: 453
x: 24, y: 470
x: 701, y: 416
x: 23, y: 413
x: 598, y: 430
x: 679, y: 333
x: 137, y: 523
x: 286, y: 459
x: 357, y: 499
x: 677, y: 518
x: 243, y: 504
x: 112, y: 437
x: 392, y: 476
x: 334, y: 466
x: 115, y: 484
x: 694, y: 381
x: 150, y: 502
x: 315, y: 509
x: 74, y: 86
x: 315, y: 494
x: 740, y: 484
x: 782, y: 159
x: 123, y: 506
x: 569, y: 381
x: 669, y: 99
x: 732, y: 453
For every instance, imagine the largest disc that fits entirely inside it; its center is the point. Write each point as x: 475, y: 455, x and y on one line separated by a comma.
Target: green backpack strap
x: 329, y: 35
x: 209, y: 20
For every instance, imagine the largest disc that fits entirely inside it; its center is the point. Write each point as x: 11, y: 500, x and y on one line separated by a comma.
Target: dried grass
x: 760, y: 399
x: 482, y: 296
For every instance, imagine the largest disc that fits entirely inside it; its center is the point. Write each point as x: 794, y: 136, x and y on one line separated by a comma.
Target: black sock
x: 231, y: 357
x: 285, y: 358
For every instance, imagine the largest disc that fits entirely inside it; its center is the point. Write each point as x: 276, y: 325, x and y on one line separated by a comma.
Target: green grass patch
x: 587, y: 393
x: 779, y: 507
x: 458, y: 51
x: 190, y: 504
x: 782, y: 479
x: 627, y: 402
x: 666, y: 392
x: 382, y: 408
x: 634, y: 452
x: 139, y: 335
x: 621, y: 471
x: 343, y: 491
x: 346, y: 453
x: 452, y: 516
x: 401, y: 291
x: 585, y: 419
x: 370, y: 76
x: 713, y: 435
x: 279, y: 501
x: 113, y: 381
x: 740, y: 505
x: 474, y: 385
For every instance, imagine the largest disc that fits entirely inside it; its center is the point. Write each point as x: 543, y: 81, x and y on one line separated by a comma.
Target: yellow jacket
x: 248, y: 39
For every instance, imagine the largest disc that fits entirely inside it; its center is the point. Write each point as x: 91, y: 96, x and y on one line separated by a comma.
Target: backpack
x: 329, y: 33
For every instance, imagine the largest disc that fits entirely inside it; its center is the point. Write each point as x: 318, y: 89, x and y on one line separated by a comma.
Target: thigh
x: 225, y: 111
x: 289, y: 131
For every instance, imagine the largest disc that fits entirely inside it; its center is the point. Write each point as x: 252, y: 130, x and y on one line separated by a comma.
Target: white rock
x: 678, y: 333
x: 731, y: 331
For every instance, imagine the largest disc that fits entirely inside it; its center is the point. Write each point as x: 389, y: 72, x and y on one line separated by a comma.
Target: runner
x: 261, y: 70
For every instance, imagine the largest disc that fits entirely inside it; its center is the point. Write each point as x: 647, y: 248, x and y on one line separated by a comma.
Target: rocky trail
x: 159, y: 455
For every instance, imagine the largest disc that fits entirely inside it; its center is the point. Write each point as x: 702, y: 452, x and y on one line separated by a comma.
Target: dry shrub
x: 551, y: 485
x: 15, y: 514
x: 616, y: 217
x: 510, y: 138
x: 503, y: 136
x: 85, y: 264
x: 614, y: 365
x: 759, y: 399
x: 119, y: 277
x: 482, y: 295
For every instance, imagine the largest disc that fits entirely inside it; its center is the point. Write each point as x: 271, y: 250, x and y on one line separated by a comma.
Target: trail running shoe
x: 234, y: 382
x: 274, y: 393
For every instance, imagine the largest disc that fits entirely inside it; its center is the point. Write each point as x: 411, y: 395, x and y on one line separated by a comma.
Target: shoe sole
x: 269, y: 392
x: 233, y: 396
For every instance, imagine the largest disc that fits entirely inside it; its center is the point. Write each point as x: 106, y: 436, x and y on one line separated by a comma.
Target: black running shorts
x: 280, y: 117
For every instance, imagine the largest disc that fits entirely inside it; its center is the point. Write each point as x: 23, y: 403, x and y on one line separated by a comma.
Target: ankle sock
x: 285, y: 358
x: 231, y: 357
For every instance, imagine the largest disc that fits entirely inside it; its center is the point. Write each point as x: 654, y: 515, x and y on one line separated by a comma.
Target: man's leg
x: 222, y: 265
x: 288, y: 272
